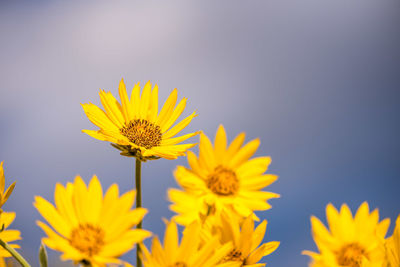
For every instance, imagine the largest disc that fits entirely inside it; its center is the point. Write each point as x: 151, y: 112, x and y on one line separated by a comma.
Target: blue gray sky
x: 317, y: 81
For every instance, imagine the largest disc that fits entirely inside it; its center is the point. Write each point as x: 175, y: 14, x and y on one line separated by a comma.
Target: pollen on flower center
x: 178, y: 264
x: 87, y: 238
x: 234, y: 255
x: 223, y: 182
x: 351, y: 255
x: 142, y: 133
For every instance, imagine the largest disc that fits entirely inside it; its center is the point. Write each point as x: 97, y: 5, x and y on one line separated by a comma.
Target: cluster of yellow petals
x: 89, y: 227
x: 350, y: 241
x: 190, y: 252
x: 8, y: 235
x: 221, y: 189
x: 222, y: 177
x: 6, y: 218
x: 245, y: 239
x: 136, y: 126
x: 392, y: 246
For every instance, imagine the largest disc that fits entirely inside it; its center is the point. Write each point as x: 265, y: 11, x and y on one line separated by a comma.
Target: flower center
x: 178, y: 264
x: 234, y: 255
x: 223, y: 182
x: 351, y: 255
x: 87, y: 238
x: 142, y: 133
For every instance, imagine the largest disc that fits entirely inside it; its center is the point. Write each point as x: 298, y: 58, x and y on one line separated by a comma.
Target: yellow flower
x: 135, y: 126
x: 221, y: 177
x: 4, y: 195
x: 351, y: 242
x: 393, y: 247
x: 90, y: 228
x: 4, y: 263
x: 6, y: 218
x: 246, y: 240
x: 188, y: 254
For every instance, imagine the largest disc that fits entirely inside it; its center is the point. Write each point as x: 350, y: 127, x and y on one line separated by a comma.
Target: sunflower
x: 189, y: 253
x: 393, y: 247
x: 4, y: 195
x: 89, y: 228
x: 135, y: 126
x: 6, y: 218
x: 246, y: 240
x: 221, y: 177
x: 351, y: 242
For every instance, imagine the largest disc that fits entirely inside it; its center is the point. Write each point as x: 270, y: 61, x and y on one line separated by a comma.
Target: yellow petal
x: 145, y: 101
x: 244, y: 153
x: 135, y: 101
x: 179, y: 127
x: 167, y: 123
x: 153, y: 111
x: 168, y: 107
x: 126, y: 105
x: 234, y: 147
x: 206, y: 155
x: 220, y: 143
x: 47, y: 210
x: 112, y: 108
x: 99, y: 117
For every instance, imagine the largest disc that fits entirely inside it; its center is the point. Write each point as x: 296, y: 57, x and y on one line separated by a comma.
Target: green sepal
x: 43, y: 256
x: 128, y: 151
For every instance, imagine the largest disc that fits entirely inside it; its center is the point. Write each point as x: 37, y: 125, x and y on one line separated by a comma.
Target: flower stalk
x: 138, y: 174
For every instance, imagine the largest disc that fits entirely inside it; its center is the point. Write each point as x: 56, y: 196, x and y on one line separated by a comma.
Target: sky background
x: 317, y: 81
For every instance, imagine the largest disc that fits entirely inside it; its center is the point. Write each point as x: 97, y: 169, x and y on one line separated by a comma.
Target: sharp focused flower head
x: 222, y: 177
x: 89, y: 227
x: 351, y: 242
x: 136, y: 127
x: 4, y: 195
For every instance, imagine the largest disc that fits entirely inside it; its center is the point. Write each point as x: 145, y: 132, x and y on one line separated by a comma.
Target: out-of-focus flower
x: 135, y: 126
x: 351, y: 242
x: 222, y: 177
x: 246, y: 240
x: 6, y: 263
x: 4, y: 195
x: 8, y: 235
x: 189, y: 253
x: 393, y: 247
x: 90, y: 228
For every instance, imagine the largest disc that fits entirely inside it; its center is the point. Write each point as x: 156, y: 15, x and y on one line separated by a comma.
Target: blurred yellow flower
x: 90, y: 228
x: 221, y: 177
x: 6, y: 218
x: 4, y: 195
x: 135, y: 126
x: 246, y: 240
x: 189, y: 253
x: 393, y: 247
x: 5, y: 263
x: 351, y: 242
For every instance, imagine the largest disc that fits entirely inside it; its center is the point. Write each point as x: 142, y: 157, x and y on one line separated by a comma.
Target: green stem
x: 138, y: 174
x: 15, y: 254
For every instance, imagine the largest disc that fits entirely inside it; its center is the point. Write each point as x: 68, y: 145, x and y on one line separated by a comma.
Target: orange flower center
x: 87, y: 238
x: 351, y: 255
x: 178, y: 264
x: 223, y: 182
x: 234, y: 255
x: 142, y: 133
